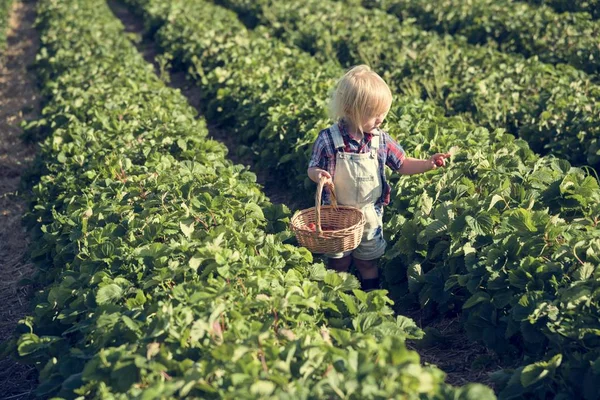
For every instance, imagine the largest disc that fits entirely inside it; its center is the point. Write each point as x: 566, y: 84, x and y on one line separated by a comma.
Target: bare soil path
x: 19, y: 101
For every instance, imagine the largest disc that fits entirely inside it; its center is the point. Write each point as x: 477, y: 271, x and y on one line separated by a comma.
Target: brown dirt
x: 178, y: 80
x: 463, y: 360
x: 19, y: 100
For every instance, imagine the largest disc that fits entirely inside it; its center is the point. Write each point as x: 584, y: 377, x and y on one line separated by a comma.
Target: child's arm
x: 411, y: 166
x: 397, y: 160
x: 319, y: 160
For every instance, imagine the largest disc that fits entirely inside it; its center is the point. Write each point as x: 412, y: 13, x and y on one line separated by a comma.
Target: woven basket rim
x: 345, y: 238
x: 296, y: 218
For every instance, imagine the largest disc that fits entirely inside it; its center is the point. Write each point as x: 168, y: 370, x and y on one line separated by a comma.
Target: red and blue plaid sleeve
x: 395, y: 153
x: 320, y: 152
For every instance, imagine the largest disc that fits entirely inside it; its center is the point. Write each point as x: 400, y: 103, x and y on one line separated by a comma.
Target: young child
x: 352, y: 154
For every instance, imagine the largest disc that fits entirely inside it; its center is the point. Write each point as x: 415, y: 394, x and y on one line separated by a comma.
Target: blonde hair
x: 358, y: 95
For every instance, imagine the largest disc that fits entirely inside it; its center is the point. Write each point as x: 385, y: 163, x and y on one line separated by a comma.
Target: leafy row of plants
x: 525, y: 278
x: 495, y: 187
x: 589, y: 6
x: 165, y: 269
x: 514, y: 27
x: 554, y: 108
x: 5, y: 6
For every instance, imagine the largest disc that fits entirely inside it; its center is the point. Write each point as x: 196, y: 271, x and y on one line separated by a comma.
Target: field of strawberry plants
x: 168, y: 273
x: 554, y: 108
x: 164, y: 266
x: 590, y: 6
x: 516, y: 27
x: 498, y: 198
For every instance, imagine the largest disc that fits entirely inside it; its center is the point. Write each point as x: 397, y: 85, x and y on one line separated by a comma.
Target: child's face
x: 373, y: 122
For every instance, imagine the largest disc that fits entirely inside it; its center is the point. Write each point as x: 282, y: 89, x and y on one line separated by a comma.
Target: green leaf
x: 124, y: 374
x: 481, y: 224
x: 364, y: 321
x: 131, y: 324
x: 199, y: 328
x: 30, y: 343
x: 495, y: 199
x: 73, y: 382
x: 409, y: 327
x: 350, y: 303
x: 333, y: 279
x: 435, y: 229
x: 477, y: 298
x: 187, y: 227
x: 262, y: 388
x: 254, y: 211
x: 474, y: 391
x: 341, y: 336
x: 195, y: 262
x: 109, y: 294
x: 426, y: 203
x: 534, y: 373
x: 522, y: 221
x: 584, y: 272
x: 502, y: 298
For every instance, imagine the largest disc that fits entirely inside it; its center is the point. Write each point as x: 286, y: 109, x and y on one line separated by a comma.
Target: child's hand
x: 325, y: 175
x: 316, y: 174
x: 439, y: 159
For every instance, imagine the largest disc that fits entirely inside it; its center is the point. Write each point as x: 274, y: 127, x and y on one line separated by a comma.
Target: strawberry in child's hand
x: 439, y: 158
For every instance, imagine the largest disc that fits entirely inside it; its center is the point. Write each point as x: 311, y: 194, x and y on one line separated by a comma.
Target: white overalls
x: 357, y: 183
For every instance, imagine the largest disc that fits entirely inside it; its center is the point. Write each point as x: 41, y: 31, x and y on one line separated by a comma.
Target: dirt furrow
x: 19, y: 101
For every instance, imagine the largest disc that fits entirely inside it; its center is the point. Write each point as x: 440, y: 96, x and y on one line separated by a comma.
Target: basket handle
x: 318, y: 195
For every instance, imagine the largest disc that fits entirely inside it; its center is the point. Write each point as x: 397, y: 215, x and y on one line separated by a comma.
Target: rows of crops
x: 510, y: 237
x: 164, y: 268
x: 4, y: 13
x: 514, y: 26
x: 554, y: 108
x: 590, y: 6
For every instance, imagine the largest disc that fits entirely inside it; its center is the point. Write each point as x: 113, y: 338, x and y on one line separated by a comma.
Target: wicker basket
x: 346, y: 223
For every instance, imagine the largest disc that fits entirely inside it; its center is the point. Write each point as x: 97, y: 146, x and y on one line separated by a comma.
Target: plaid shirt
x: 389, y: 153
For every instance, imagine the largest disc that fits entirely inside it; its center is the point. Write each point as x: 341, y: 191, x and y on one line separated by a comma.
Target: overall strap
x: 336, y: 135
x: 375, y: 144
